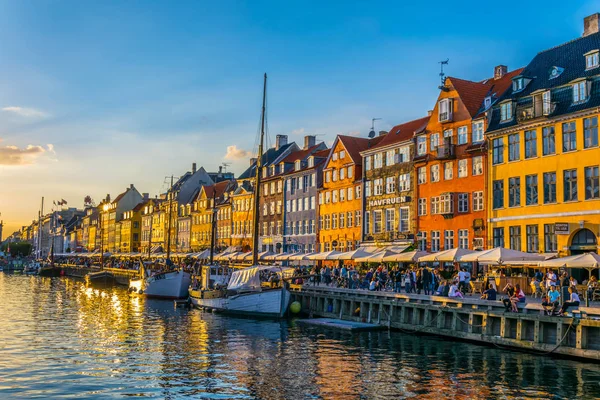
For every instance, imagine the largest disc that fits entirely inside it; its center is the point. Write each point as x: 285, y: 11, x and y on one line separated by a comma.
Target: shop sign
x: 562, y: 228
x: 388, y: 201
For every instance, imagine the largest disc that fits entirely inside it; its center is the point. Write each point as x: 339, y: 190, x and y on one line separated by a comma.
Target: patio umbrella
x: 376, y: 257
x: 352, y: 255
x: 411, y: 256
x: 586, y: 260
x: 324, y: 255
x: 501, y: 255
x: 451, y: 255
x: 301, y: 256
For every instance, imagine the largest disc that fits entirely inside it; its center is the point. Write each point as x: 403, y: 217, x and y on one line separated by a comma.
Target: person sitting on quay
x: 518, y: 297
x: 455, y: 292
x: 441, y: 288
x: 510, y: 292
x: 536, y: 288
x: 489, y: 294
x: 573, y: 301
x: 373, y: 284
x: 551, y: 302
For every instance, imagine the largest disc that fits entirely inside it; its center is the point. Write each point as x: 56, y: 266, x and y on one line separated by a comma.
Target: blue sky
x: 112, y: 93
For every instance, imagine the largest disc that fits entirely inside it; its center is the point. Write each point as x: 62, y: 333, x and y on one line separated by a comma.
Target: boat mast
x: 213, y: 225
x: 40, y: 230
x: 258, y: 174
x: 170, y: 199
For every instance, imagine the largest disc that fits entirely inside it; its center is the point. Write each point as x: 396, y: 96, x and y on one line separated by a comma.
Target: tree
x: 17, y: 248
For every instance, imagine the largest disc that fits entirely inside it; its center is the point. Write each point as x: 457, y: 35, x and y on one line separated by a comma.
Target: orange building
x: 340, y: 199
x: 450, y: 164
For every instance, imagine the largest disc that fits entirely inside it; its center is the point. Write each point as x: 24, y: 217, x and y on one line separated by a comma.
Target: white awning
x: 452, y: 255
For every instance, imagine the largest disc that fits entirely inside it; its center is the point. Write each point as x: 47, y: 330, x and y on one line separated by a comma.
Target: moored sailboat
x: 244, y: 291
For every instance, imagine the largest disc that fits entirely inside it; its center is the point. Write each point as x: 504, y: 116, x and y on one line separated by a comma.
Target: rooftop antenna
x: 225, y: 165
x: 372, y: 133
x: 442, y: 75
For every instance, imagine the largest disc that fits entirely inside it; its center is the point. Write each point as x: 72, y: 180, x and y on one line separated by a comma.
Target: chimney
x: 146, y: 196
x: 253, y: 161
x: 108, y: 198
x: 383, y: 133
x: 309, y: 141
x: 131, y: 186
x: 590, y: 24
x: 429, y: 112
x: 193, y: 168
x: 280, y: 141
x: 500, y: 71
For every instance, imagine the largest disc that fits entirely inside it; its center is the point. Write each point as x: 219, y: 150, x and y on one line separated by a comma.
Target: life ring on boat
x: 141, y: 291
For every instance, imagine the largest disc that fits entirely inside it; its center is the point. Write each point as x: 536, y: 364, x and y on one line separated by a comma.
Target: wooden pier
x: 470, y: 319
x: 122, y: 276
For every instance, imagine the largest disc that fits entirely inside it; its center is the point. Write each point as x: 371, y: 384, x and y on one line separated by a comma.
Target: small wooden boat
x: 100, y: 278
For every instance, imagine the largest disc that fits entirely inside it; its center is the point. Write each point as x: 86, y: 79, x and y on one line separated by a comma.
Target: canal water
x: 59, y: 339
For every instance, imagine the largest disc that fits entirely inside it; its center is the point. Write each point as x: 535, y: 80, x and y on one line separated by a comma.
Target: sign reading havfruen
x: 388, y: 201
x: 561, y: 228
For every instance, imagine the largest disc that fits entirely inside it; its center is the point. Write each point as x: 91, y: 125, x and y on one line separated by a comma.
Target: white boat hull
x: 168, y: 285
x: 269, y: 303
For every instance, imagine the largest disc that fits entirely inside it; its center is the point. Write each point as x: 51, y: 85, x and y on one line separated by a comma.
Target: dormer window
x: 298, y: 165
x: 592, y: 59
x: 487, y: 103
x: 264, y: 172
x: 506, y: 112
x: 445, y: 110
x: 272, y: 170
x: 580, y: 92
x: 518, y: 84
x: 281, y: 168
x: 311, y: 162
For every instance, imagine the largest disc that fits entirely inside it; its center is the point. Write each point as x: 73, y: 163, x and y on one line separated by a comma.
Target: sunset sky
x: 95, y: 95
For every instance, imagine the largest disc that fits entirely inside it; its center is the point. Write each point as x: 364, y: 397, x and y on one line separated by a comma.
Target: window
x: 312, y: 202
x: 549, y: 187
x: 349, y: 172
x: 390, y: 184
x: 463, y: 238
x: 462, y: 135
x: 591, y: 60
x: 390, y: 216
x: 515, y: 237
x: 591, y: 183
x: 342, y: 194
x: 448, y: 240
x: 334, y: 156
x: 368, y: 185
x: 327, y: 197
x: 477, y: 201
x: 357, y: 220
x: 446, y: 203
x: 497, y: 151
x: 404, y: 182
x: 377, y: 160
x: 334, y: 221
x: 422, y: 206
x: 462, y: 168
x: 342, y: 154
x: 358, y: 192
x: 376, y: 221
x: 547, y: 108
x: 570, y: 184
x: 445, y: 110
x: 327, y: 222
x: 533, y: 244
x: 580, y: 92
x: 350, y: 221
x: 435, y: 241
x: 378, y: 187
x: 422, y: 237
x: 514, y: 192
x: 530, y: 144
x: 342, y: 173
x: 477, y: 131
x: 367, y: 163
x: 389, y: 157
x: 477, y: 165
x: 498, y: 237
x: 434, y: 141
x: 403, y: 154
x: 548, y: 140
x: 334, y: 196
x: 448, y: 136
x: 463, y: 202
x: 498, y: 194
x: 350, y: 193
x: 448, y: 167
x: 422, y: 175
x: 531, y: 190
x: 550, y: 242
x: 569, y: 136
x: 335, y: 175
x: 435, y: 205
x: 435, y: 173
x: 514, y: 147
x: 404, y: 219
x: 590, y: 132
x: 518, y: 84
x: 421, y: 145
x: 505, y: 112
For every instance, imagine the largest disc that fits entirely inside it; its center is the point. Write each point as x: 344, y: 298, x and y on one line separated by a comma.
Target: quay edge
x: 474, y: 320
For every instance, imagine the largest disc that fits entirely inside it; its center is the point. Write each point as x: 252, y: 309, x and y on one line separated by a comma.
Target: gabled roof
x: 267, y: 159
x: 354, y: 145
x: 217, y: 190
x: 403, y: 132
x: 301, y: 154
x: 321, y: 153
x: 570, y: 60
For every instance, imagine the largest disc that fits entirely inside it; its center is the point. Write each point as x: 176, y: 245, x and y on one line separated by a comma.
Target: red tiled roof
x: 354, y: 145
x: 403, y: 132
x: 322, y: 153
x: 300, y: 154
x: 219, y: 188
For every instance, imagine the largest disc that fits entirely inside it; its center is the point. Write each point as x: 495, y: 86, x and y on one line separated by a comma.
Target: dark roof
x: 321, y: 154
x: 301, y: 154
x: 567, y: 56
x: 354, y: 145
x: 403, y: 132
x: 267, y: 158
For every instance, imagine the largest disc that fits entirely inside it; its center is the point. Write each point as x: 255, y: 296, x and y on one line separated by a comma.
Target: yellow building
x: 130, y: 230
x: 543, y: 153
x: 242, y: 216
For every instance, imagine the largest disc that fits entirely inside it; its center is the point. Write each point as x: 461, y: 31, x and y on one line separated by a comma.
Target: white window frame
x: 592, y: 60
x: 463, y: 238
x: 478, y: 201
x: 580, y: 92
x: 445, y: 110
x: 422, y: 206
x: 434, y: 141
x: 463, y: 135
x: 477, y: 132
x: 422, y: 175
x: 403, y: 219
x: 421, y: 145
x: 390, y: 184
x: 404, y: 182
x: 477, y: 166
x: 506, y: 112
x: 448, y: 171
x: 463, y: 202
x: 463, y: 168
x: 434, y: 173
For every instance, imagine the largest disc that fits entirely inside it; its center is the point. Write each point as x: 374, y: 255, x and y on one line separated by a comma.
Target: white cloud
x: 12, y: 155
x: 234, y: 153
x: 26, y: 112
